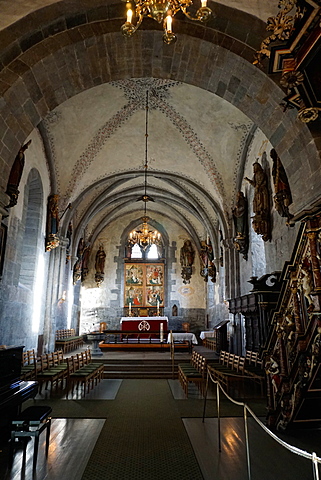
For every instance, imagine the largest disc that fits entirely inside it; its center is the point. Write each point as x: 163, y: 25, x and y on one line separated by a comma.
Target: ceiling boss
x: 162, y: 11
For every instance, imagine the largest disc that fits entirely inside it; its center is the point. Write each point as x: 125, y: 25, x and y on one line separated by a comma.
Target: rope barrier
x: 310, y: 456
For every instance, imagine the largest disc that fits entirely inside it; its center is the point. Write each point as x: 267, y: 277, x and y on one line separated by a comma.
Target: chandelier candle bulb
x: 129, y: 15
x: 169, y: 24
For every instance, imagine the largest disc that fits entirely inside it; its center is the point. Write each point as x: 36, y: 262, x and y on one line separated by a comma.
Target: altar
x: 144, y: 325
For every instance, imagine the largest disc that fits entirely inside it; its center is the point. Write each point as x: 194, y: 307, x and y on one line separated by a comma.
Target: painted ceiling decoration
x: 135, y: 91
x: 90, y: 175
x: 204, y: 124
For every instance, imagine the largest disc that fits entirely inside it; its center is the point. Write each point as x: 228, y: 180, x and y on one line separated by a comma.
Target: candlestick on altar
x: 158, y: 308
x: 130, y: 309
x: 161, y: 336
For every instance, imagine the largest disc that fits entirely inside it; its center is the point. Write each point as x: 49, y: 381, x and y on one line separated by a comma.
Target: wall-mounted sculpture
x: 15, y: 175
x: 240, y: 218
x: 52, y: 238
x: 187, y: 255
x: 282, y: 193
x: 69, y: 236
x: 261, y: 221
x: 100, y: 265
x: 78, y: 265
x: 208, y: 268
x: 85, y: 261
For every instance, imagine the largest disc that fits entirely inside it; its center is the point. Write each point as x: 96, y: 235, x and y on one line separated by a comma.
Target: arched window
x: 152, y: 252
x: 136, y: 252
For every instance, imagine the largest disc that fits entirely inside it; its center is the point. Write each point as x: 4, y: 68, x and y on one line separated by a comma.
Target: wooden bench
x: 254, y: 368
x: 210, y: 342
x: 193, y: 372
x: 30, y: 365
x: 228, y: 369
x: 53, y: 369
x: 82, y: 371
x: 67, y: 340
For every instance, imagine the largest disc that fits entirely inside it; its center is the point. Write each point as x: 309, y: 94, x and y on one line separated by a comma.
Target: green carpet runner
x: 143, y: 437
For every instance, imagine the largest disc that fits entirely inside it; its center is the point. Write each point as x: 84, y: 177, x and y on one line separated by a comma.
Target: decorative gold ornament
x: 162, y: 11
x: 308, y: 114
x: 282, y: 26
x: 291, y: 79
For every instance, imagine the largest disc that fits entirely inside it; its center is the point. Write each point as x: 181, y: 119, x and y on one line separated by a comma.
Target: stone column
x: 56, y: 270
x: 231, y: 264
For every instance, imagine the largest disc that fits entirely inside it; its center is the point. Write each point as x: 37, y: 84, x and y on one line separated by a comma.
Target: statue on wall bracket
x: 208, y: 269
x: 282, y: 193
x: 15, y: 175
x: 85, y: 261
x: 100, y: 266
x: 261, y: 221
x: 187, y: 255
x: 240, y: 218
x: 52, y: 238
x: 77, y: 271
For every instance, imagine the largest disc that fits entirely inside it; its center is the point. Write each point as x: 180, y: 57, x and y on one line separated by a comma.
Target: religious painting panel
x: 154, y: 274
x: 133, y: 296
x: 154, y: 296
x: 144, y: 286
x: 134, y: 274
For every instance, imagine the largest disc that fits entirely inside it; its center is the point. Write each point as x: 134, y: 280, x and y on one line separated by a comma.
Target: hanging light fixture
x: 163, y: 12
x: 145, y: 237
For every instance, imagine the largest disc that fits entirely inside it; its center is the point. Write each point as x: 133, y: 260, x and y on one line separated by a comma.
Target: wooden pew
x: 67, y: 340
x: 52, y: 371
x: 83, y: 372
x: 193, y: 372
x: 254, y: 368
x: 30, y: 365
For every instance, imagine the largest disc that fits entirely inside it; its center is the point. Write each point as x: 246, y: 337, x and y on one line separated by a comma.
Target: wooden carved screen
x: 144, y: 285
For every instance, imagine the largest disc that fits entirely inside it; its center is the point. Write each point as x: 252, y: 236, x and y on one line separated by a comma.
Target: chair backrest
x: 70, y: 365
x: 185, y: 326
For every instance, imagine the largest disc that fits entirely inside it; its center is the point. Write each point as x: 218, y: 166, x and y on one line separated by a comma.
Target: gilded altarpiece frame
x: 144, y: 285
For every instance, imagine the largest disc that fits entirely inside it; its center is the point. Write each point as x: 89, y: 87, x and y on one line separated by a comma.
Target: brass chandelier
x: 145, y: 237
x: 163, y: 12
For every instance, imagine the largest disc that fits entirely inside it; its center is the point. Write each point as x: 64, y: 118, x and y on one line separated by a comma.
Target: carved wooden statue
x: 261, y: 221
x: 52, y: 239
x: 208, y: 268
x: 100, y: 265
x: 187, y: 255
x: 15, y: 176
x: 78, y: 265
x: 85, y: 261
x: 240, y: 214
x: 282, y: 195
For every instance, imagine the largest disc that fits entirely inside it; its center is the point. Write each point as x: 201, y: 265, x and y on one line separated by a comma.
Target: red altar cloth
x: 143, y: 325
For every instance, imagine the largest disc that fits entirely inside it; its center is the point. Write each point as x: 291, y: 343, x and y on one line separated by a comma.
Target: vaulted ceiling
x: 200, y: 121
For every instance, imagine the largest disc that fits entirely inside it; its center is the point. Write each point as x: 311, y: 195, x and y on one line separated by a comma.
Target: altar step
x: 139, y: 369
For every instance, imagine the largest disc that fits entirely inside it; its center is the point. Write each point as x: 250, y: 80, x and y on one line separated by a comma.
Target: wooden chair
x: 186, y: 326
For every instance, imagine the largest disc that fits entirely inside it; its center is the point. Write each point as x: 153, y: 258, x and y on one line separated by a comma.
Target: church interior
x: 160, y: 198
